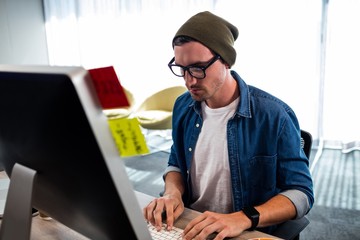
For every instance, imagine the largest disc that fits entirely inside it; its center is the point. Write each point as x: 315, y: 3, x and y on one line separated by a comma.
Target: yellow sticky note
x: 128, y: 136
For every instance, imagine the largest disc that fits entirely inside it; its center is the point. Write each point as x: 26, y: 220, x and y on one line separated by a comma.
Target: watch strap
x: 253, y: 215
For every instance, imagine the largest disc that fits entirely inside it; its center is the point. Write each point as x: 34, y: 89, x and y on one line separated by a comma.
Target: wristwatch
x: 253, y: 215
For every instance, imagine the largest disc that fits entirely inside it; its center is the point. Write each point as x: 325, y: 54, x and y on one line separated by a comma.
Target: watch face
x: 251, y: 212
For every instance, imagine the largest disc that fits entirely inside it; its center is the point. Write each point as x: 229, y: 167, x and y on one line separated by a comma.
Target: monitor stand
x: 17, y: 218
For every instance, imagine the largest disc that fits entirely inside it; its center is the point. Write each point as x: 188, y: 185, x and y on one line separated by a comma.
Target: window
x: 279, y: 49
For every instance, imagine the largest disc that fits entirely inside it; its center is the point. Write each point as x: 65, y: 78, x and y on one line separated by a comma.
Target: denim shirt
x: 264, y: 148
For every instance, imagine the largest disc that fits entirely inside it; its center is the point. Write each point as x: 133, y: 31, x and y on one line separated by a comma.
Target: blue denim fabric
x: 264, y: 147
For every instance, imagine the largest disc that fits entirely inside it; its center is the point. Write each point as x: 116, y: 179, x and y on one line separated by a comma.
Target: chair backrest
x: 163, y: 99
x: 130, y: 97
x: 306, y: 142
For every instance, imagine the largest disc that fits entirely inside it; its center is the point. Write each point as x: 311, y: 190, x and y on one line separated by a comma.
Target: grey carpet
x: 332, y: 223
x: 145, y: 172
x: 336, y: 212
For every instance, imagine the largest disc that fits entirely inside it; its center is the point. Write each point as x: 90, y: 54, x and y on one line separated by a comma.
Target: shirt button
x: 190, y: 149
x: 197, y: 125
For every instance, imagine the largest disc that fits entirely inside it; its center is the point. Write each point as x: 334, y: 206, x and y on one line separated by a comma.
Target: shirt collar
x: 243, y: 109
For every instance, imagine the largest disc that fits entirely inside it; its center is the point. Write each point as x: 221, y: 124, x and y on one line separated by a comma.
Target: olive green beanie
x: 214, y: 32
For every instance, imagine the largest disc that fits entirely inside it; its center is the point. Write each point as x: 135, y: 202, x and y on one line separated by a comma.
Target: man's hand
x: 225, y: 225
x: 171, y: 204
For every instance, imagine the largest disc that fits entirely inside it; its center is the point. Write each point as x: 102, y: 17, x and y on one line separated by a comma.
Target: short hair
x: 180, y: 40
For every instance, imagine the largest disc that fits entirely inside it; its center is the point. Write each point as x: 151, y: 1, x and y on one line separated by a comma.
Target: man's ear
x: 225, y: 63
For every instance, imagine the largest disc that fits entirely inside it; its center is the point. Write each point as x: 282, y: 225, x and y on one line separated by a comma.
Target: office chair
x: 290, y: 230
x: 306, y: 142
x: 156, y: 111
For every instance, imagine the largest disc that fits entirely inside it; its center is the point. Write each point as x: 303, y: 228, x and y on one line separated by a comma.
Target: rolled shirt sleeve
x: 300, y: 201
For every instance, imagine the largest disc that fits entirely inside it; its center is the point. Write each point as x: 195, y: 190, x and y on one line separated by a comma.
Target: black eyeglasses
x: 195, y: 71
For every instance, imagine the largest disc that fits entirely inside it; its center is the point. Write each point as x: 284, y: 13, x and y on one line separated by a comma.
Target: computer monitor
x: 53, y: 130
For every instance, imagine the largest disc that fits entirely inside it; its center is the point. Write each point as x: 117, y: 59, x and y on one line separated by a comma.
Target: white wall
x: 22, y: 32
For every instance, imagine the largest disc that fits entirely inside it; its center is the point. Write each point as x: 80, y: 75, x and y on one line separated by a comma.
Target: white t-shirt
x: 210, y: 171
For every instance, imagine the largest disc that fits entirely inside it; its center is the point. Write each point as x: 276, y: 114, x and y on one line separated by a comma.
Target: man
x: 236, y: 154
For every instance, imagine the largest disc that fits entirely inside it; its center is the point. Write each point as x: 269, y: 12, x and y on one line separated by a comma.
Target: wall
x: 22, y: 32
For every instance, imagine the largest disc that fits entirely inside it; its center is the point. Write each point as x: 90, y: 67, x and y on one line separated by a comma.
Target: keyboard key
x: 164, y: 234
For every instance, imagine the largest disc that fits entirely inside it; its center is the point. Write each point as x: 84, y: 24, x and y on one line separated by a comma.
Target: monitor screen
x: 52, y: 122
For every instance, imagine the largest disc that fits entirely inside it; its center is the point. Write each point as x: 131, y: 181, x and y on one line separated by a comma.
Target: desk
x: 52, y: 229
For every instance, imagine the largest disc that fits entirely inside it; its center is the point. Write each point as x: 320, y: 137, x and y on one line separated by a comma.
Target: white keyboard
x: 164, y: 234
